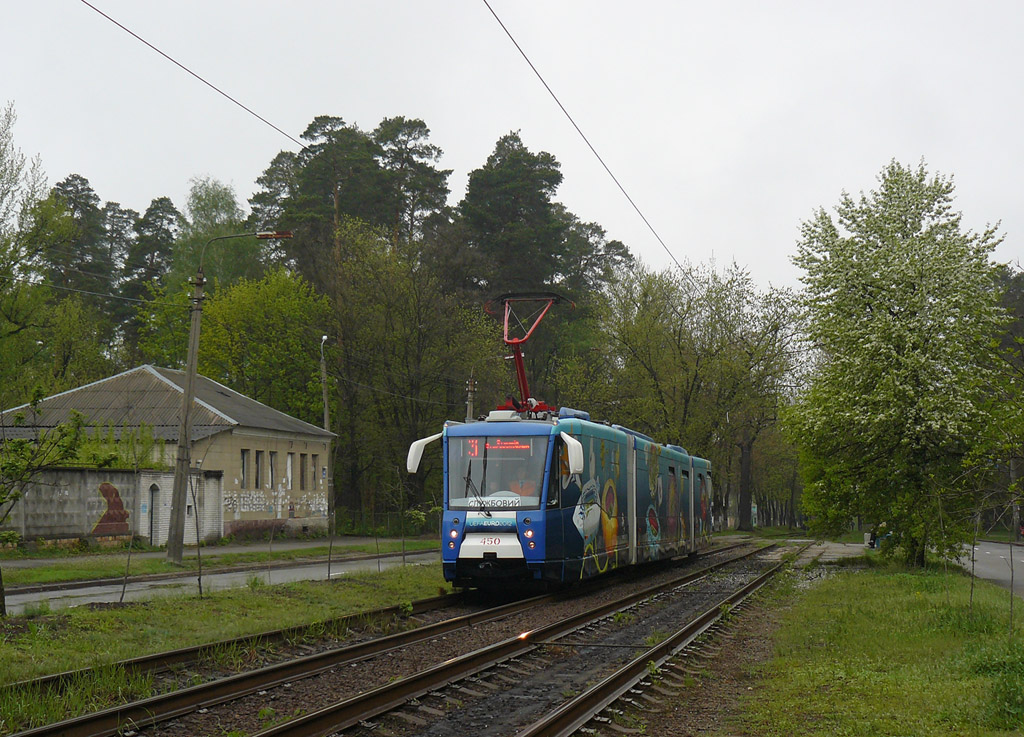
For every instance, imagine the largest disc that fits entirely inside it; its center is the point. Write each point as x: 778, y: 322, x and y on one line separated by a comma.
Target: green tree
x: 512, y: 223
x: 262, y: 339
x: 212, y: 210
x: 695, y: 357
x: 337, y: 175
x: 402, y: 353
x: 146, y: 266
x: 903, y: 315
x: 74, y: 350
x: 31, y: 222
x: 419, y: 189
x: 277, y: 185
x: 84, y: 262
x: 587, y: 261
x: 118, y: 235
x: 22, y: 459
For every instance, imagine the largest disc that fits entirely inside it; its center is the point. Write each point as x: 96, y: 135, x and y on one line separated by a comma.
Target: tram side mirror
x: 575, y: 448
x: 412, y: 462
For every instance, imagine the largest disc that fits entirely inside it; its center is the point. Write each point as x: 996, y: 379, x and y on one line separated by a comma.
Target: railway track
x: 464, y: 674
x: 168, y: 659
x: 588, y: 706
x: 159, y: 709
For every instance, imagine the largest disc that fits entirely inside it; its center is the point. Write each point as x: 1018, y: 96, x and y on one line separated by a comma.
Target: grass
x: 889, y: 651
x: 80, y: 637
x: 77, y: 638
x: 112, y: 565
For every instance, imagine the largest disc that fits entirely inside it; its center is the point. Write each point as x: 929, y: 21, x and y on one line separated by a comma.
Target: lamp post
x: 323, y: 383
x: 327, y: 426
x: 176, y: 529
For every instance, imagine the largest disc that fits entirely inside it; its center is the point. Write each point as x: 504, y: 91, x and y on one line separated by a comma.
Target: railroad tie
x: 411, y: 718
x: 672, y: 679
x: 623, y: 730
x: 520, y: 671
x: 683, y: 669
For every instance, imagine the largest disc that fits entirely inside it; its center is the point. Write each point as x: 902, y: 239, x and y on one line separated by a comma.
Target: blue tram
x: 546, y: 497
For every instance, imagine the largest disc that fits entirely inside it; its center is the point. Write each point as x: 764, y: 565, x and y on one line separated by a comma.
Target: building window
x: 288, y: 471
x: 316, y: 469
x: 302, y: 471
x: 272, y: 470
x: 258, y: 471
x: 245, y: 468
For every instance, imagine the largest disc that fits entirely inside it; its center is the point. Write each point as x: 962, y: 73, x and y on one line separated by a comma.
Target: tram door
x: 555, y: 517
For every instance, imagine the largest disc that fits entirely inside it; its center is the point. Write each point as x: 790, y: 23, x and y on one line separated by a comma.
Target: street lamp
x: 176, y: 529
x: 330, y: 463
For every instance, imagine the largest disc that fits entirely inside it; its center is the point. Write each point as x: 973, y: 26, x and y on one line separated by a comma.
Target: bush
x: 10, y: 539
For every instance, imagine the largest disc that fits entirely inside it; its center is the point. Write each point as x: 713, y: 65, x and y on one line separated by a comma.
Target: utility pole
x: 470, y: 388
x: 327, y: 427
x: 176, y: 531
x: 179, y: 501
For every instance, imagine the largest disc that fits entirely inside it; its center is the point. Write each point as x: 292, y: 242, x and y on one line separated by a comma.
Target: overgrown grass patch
x: 890, y: 651
x: 81, y: 637
x: 22, y: 709
x: 78, y: 638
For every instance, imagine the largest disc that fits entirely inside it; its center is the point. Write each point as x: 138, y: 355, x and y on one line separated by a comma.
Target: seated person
x: 523, y: 486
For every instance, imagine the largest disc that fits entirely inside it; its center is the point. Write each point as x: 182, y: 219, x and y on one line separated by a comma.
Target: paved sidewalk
x: 826, y: 551
x: 210, y: 551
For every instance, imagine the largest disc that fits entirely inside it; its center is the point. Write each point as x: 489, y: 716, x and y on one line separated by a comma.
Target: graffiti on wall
x: 115, y: 519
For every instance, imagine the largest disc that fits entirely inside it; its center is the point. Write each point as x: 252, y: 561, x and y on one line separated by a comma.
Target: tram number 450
x: 490, y: 541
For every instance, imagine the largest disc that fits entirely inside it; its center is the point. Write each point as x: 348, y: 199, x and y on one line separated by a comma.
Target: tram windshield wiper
x: 470, y: 486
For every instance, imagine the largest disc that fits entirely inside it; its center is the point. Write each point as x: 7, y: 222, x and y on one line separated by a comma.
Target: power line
x: 85, y: 291
x: 585, y: 139
x: 201, y: 79
x: 393, y: 394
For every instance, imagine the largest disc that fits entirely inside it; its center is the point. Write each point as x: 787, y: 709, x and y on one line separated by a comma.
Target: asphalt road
x: 139, y: 590
x: 992, y: 563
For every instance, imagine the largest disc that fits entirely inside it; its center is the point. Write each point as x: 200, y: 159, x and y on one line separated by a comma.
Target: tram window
x: 554, y: 492
x: 555, y: 485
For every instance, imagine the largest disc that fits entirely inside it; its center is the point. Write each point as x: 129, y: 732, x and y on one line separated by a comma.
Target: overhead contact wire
x: 194, y: 74
x: 584, y: 137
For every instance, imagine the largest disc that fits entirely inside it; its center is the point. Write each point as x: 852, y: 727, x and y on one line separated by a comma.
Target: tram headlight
x: 453, y: 534
x: 528, y: 534
x: 532, y: 544
x: 451, y: 545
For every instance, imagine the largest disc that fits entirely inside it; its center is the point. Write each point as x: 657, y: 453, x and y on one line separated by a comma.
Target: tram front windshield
x: 489, y: 472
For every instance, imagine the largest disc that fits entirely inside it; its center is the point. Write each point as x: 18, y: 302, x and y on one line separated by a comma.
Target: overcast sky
x: 728, y: 123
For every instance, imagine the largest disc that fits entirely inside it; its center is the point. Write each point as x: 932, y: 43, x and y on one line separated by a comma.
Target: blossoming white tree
x: 902, y: 313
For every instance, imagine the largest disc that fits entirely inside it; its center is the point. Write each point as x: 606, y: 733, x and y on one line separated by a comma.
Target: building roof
x: 151, y: 396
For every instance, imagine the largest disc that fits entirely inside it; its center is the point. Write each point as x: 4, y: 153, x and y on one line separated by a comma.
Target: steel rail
x: 146, y: 712
x: 167, y: 706
x: 157, y: 662
x: 574, y: 714
x: 362, y: 707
